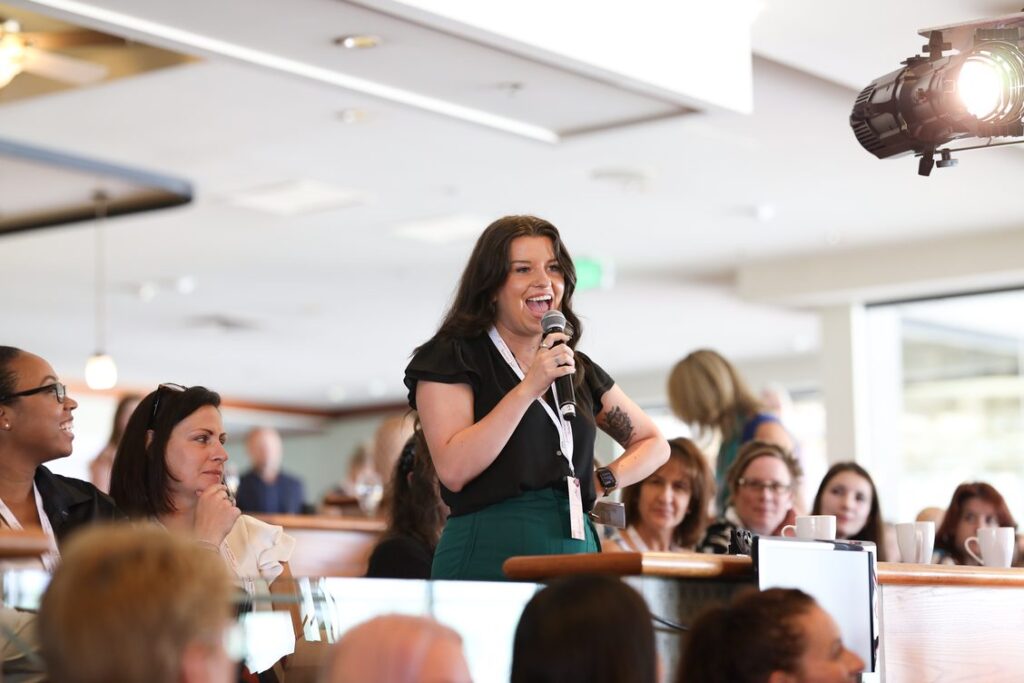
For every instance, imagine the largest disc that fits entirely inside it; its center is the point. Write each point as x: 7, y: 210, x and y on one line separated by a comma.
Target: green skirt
x: 473, y: 547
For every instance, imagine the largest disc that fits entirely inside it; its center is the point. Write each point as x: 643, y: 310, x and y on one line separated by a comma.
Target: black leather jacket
x: 72, y: 503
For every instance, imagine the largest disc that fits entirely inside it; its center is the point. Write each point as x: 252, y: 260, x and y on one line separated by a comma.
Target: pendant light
x: 100, y: 370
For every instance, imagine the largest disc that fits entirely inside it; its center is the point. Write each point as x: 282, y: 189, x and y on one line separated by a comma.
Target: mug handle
x: 788, y: 526
x: 967, y: 547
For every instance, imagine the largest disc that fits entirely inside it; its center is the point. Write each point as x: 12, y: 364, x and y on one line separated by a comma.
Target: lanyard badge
x: 564, y: 428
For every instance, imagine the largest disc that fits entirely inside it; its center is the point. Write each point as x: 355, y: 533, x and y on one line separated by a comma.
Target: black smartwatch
x: 607, y: 479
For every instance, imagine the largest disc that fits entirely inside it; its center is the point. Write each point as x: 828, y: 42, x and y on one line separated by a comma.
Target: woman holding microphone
x: 518, y: 477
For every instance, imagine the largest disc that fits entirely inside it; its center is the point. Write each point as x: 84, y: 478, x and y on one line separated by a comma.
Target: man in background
x: 265, y: 488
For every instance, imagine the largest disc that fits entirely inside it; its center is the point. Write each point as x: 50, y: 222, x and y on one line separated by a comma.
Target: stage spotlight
x: 976, y: 92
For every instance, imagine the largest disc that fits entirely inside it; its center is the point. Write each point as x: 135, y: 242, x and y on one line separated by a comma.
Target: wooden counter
x: 329, y: 545
x: 740, y: 568
x: 939, y: 623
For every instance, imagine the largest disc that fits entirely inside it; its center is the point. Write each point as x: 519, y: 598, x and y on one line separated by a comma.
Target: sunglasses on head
x: 168, y: 386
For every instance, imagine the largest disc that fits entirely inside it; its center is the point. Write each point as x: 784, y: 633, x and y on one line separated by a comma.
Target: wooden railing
x: 329, y: 545
x: 740, y: 567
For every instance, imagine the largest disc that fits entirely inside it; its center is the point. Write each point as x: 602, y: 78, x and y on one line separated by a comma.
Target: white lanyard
x: 561, y: 424
x: 52, y: 557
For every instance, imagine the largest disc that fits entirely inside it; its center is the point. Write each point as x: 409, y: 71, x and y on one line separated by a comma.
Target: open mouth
x: 539, y: 305
x: 68, y: 427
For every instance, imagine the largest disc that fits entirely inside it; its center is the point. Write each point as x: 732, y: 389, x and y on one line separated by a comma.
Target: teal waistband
x: 474, y: 546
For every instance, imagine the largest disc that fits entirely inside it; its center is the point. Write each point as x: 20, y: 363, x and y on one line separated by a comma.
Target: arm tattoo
x: 618, y: 426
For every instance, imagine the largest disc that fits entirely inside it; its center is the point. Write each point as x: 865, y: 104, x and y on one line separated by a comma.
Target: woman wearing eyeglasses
x: 36, y: 426
x: 169, y: 469
x: 761, y: 483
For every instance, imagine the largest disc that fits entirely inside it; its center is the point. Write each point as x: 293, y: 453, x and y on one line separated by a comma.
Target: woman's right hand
x: 550, y: 363
x: 216, y: 513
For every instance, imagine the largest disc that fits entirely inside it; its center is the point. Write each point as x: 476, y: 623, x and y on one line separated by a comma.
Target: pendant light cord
x: 101, y: 199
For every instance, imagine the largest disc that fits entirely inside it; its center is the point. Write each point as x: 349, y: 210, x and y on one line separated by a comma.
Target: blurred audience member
x: 397, y: 649
x: 776, y: 636
x: 99, y: 468
x: 667, y: 511
x: 931, y: 514
x: 707, y: 392
x: 388, y: 441
x: 585, y: 628
x: 974, y: 506
x: 760, y: 484
x: 415, y: 515
x: 849, y: 493
x: 137, y: 605
x: 265, y: 488
x: 359, y: 464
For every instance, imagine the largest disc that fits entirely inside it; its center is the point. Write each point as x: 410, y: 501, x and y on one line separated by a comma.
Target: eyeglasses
x: 169, y: 386
x: 775, y: 487
x: 59, y: 390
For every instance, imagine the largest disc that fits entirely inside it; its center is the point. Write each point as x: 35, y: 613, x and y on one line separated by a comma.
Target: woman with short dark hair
x: 37, y: 426
x: 775, y: 636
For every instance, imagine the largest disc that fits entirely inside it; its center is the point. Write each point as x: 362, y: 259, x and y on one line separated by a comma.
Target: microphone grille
x: 552, y: 320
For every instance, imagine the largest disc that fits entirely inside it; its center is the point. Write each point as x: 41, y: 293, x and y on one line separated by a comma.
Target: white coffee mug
x: 995, y: 545
x: 820, y: 527
x: 916, y: 541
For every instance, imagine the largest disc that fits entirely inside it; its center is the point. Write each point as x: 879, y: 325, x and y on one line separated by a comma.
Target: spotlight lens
x: 981, y: 87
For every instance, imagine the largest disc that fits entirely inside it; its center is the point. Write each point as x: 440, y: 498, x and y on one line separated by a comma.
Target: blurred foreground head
x: 397, y: 649
x: 137, y: 605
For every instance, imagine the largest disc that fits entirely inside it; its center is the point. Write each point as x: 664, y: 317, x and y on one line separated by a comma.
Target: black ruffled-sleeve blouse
x: 531, y: 460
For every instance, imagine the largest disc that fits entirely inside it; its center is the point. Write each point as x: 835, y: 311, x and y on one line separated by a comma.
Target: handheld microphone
x: 565, y: 395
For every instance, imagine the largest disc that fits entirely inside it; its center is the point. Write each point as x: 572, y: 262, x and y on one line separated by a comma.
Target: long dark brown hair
x: 748, y: 640
x: 690, y: 531
x: 874, y: 527
x: 414, y: 506
x: 945, y: 537
x: 139, y: 481
x: 473, y: 309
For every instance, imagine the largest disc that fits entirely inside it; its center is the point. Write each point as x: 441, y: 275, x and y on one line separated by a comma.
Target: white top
x: 48, y: 560
x: 255, y: 550
x: 629, y: 540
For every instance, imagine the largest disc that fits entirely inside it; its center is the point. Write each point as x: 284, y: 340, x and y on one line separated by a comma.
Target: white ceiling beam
x: 888, y: 271
x: 697, y: 54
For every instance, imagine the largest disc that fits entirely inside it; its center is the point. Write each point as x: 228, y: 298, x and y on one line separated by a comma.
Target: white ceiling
x: 335, y: 300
